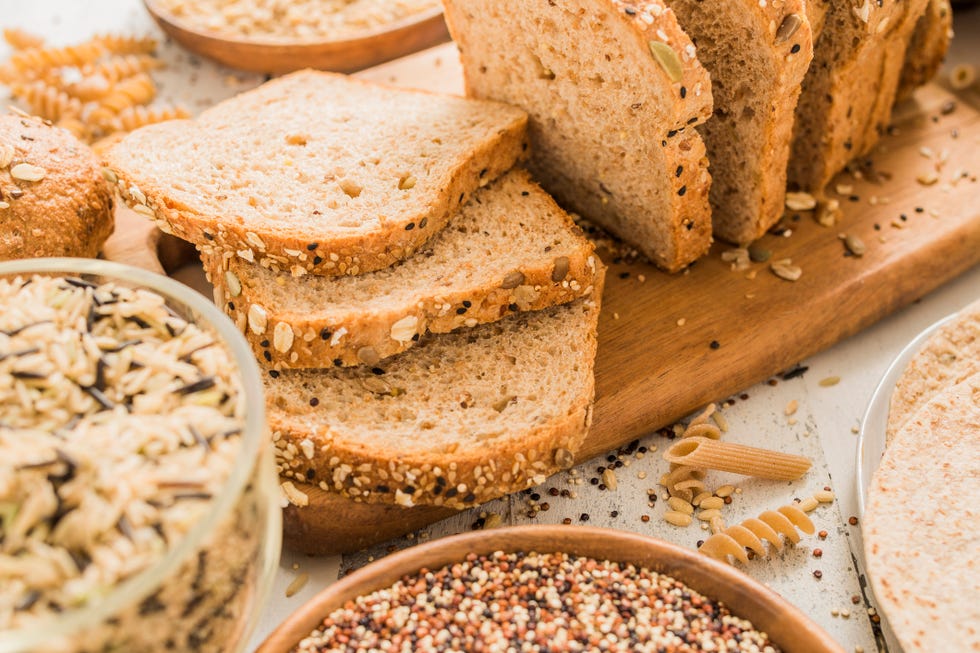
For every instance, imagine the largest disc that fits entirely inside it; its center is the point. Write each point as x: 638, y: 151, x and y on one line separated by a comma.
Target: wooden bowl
x: 786, y: 626
x: 367, y: 49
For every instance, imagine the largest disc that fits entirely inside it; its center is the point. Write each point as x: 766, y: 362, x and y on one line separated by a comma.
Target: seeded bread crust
x: 363, y: 320
x: 614, y: 90
x: 927, y: 48
x: 333, y: 206
x: 434, y: 452
x: 66, y: 213
x: 755, y: 96
x: 850, y: 87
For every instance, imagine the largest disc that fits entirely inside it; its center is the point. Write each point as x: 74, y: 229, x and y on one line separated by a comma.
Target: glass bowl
x: 206, y: 589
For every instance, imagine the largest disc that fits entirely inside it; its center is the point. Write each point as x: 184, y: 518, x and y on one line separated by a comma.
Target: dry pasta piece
x: 138, y: 89
x: 771, y: 526
x: 701, y: 452
x: 118, y: 67
x: 120, y: 44
x: 135, y: 117
x: 34, y: 61
x: 45, y: 100
x: 20, y: 39
x: 89, y: 88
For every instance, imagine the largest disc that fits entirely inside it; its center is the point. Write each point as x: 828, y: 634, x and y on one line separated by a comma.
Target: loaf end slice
x: 850, y: 87
x: 613, y: 90
x: 511, y: 248
x: 461, y: 419
x: 755, y: 95
x: 317, y: 172
x: 927, y: 47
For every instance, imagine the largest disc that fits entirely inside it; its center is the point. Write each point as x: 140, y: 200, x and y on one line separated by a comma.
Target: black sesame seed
x: 919, y: 209
x: 409, y: 489
x: 524, y: 193
x: 423, y: 222
x: 267, y: 356
x: 469, y: 498
x: 671, y: 134
x: 208, y: 236
x: 467, y: 303
x: 584, y: 517
x: 317, y: 260
x: 683, y: 92
x: 679, y: 171
x: 795, y: 48
x: 325, y: 334
x: 630, y: 11
x: 264, y: 343
x: 337, y: 362
x: 274, y: 374
x: 460, y: 310
x: 512, y: 307
x: 682, y: 190
x: 409, y: 226
x: 314, y: 402
x: 377, y: 371
x: 312, y: 246
x: 715, y: 344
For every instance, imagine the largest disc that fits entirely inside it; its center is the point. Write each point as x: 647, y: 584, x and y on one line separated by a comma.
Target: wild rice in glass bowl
x: 139, y: 506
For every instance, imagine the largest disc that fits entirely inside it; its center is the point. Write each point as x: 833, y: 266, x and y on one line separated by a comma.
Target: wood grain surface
x: 669, y: 344
x: 348, y: 55
x: 787, y: 627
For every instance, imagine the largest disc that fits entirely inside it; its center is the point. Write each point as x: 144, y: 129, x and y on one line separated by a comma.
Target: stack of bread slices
x: 630, y: 101
x: 425, y: 314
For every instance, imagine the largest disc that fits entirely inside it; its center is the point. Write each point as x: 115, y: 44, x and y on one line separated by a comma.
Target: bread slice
x: 318, y: 172
x: 467, y: 417
x: 850, y: 87
x: 613, y: 90
x: 755, y: 95
x: 927, y: 48
x: 511, y: 248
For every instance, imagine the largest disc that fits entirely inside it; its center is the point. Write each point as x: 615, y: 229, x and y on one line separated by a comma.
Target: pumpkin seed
x: 788, y: 28
x: 668, y: 60
x: 854, y: 245
x: 758, y: 253
x: 560, y: 271
x: 512, y: 279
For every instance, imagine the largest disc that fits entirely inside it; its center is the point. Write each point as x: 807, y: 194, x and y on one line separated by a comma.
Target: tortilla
x: 949, y: 356
x: 921, y: 534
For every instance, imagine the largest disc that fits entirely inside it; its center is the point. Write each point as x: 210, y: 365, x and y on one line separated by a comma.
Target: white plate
x: 871, y: 439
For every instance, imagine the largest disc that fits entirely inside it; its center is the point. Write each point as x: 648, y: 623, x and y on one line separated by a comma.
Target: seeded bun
x: 53, y: 198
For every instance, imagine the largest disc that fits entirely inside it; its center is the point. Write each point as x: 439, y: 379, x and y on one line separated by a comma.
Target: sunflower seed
x: 668, y: 60
x: 28, y: 172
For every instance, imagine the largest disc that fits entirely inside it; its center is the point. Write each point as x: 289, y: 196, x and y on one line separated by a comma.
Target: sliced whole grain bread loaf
x: 510, y: 248
x: 755, y: 95
x: 464, y: 418
x: 613, y: 90
x: 318, y: 172
x: 848, y: 92
x: 927, y: 47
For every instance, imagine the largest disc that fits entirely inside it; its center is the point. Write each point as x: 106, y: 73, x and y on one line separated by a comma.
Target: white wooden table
x: 823, y: 427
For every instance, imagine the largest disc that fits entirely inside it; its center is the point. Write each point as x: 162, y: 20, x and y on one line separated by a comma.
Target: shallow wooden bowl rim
x: 356, y: 39
x: 767, y: 610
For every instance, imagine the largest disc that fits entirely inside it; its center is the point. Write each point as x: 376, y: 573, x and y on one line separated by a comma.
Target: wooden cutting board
x: 669, y: 344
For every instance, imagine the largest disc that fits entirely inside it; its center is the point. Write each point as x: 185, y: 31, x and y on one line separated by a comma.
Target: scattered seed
x: 784, y: 269
x: 298, y: 583
x: 800, y: 201
x: 791, y: 407
x: 677, y: 518
x: 668, y: 60
x: 758, y: 253
x: 829, y: 381
x: 28, y: 172
x: 788, y: 28
x: 824, y: 496
x: 962, y: 76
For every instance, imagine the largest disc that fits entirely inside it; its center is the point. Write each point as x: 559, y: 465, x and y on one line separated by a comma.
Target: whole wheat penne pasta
x: 737, y: 458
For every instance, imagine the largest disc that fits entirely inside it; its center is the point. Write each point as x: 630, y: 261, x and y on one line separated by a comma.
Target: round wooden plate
x: 268, y: 56
x: 786, y: 626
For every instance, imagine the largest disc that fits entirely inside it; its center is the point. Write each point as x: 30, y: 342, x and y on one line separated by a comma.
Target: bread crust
x: 66, y: 213
x: 369, y: 336
x: 288, y: 247
x: 340, y: 462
